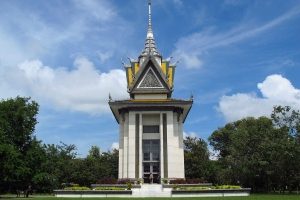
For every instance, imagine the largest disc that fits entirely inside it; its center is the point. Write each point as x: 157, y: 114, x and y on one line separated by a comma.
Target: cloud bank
x: 83, y: 88
x: 275, y: 90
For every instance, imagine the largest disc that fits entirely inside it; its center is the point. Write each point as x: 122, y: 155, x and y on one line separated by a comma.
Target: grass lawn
x: 251, y: 197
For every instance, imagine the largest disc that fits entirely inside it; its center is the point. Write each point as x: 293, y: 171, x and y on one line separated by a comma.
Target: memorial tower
x: 150, y: 121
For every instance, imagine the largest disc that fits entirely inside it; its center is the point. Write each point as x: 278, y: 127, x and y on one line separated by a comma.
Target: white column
x: 131, y: 145
x: 125, y: 150
x: 161, y: 128
x: 175, y: 156
x: 121, y: 148
x: 180, y: 149
x: 170, y: 146
x: 141, y: 147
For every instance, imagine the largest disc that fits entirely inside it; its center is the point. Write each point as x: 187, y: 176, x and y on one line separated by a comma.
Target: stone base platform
x: 153, y: 190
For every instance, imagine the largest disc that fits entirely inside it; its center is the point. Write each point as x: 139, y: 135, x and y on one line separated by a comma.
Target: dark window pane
x: 155, y: 142
x: 146, y: 142
x: 146, y: 167
x: 151, y: 129
x: 155, y: 156
x: 155, y: 167
x: 146, y: 156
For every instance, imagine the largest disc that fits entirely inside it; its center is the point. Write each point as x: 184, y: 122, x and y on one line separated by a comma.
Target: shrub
x: 109, y: 188
x: 228, y: 187
x: 76, y: 188
x: 69, y: 185
x: 125, y: 181
x: 164, y: 181
x: 129, y: 185
x: 140, y: 180
x: 177, y: 181
x: 187, y: 181
x: 194, y: 181
x: 107, y: 180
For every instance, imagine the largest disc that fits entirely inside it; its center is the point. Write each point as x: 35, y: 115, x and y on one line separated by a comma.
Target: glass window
x: 151, y: 129
x: 155, y: 167
x: 151, y: 150
x: 155, y: 156
x: 146, y: 167
x: 146, y: 155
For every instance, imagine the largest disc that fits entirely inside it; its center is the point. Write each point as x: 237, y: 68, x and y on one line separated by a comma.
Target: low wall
x: 211, y: 193
x: 115, y: 185
x: 187, y: 185
x: 92, y: 193
x: 173, y: 193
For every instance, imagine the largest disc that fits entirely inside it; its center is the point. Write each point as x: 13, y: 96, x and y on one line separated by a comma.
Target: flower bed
x: 206, y: 187
x: 92, y: 193
x: 209, y: 191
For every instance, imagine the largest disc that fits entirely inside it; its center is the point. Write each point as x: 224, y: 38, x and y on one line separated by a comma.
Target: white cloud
x: 25, y: 33
x: 275, y: 90
x: 84, y: 88
x: 189, y: 134
x: 101, y: 10
x: 191, y: 48
x: 190, y: 61
x: 114, y: 145
x: 104, y: 56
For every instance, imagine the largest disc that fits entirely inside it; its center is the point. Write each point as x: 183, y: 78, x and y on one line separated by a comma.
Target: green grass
x: 251, y: 197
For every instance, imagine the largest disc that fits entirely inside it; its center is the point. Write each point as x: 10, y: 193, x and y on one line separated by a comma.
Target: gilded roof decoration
x: 150, y: 81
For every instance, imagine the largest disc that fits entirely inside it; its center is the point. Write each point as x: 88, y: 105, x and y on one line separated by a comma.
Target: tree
x: 196, y: 158
x: 262, y: 153
x: 17, y: 142
x: 244, y: 148
x: 58, y: 167
x: 95, y: 166
x: 287, y: 123
x: 94, y: 152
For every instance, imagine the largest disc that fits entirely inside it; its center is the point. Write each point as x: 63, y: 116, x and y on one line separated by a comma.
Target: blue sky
x: 238, y: 58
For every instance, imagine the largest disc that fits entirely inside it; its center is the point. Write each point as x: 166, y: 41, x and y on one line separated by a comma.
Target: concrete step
x: 151, y: 190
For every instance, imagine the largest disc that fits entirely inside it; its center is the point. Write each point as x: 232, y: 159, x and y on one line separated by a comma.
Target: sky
x: 238, y: 58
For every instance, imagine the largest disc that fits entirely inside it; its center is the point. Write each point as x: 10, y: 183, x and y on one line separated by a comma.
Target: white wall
x: 174, y: 147
x: 175, y: 153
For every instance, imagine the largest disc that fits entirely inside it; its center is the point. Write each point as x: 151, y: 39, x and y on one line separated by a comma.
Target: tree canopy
x: 261, y: 153
x: 20, y: 151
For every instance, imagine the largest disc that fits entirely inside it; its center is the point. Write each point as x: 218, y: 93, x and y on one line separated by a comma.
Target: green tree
x: 94, y: 152
x: 95, y: 166
x: 245, y: 151
x: 287, y: 160
x: 196, y: 158
x: 58, y: 166
x: 18, y: 145
x: 260, y: 153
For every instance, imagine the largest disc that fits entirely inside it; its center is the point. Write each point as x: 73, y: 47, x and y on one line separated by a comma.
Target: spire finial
x: 149, y: 32
x: 150, y: 47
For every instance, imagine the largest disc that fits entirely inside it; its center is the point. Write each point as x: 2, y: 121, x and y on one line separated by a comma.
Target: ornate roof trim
x: 150, y: 80
x: 157, y: 70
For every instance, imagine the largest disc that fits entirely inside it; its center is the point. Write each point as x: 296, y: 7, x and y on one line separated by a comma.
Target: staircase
x: 151, y: 190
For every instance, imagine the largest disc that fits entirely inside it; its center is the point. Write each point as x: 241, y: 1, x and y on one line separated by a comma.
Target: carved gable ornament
x: 150, y: 80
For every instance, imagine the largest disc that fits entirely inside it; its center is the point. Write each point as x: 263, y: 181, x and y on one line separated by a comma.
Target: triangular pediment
x: 150, y: 80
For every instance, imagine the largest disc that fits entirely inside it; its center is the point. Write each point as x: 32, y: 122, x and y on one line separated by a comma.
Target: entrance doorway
x: 151, y: 160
